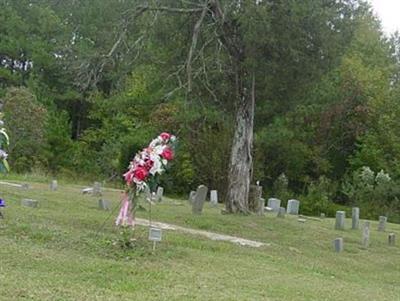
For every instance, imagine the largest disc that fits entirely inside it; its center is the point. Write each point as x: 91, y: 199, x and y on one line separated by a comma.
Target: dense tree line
x: 299, y: 95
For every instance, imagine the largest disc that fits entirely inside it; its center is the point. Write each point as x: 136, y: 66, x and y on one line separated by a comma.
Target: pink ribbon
x: 125, y: 216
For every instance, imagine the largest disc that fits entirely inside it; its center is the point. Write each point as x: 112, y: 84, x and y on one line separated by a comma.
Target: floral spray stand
x: 142, y: 176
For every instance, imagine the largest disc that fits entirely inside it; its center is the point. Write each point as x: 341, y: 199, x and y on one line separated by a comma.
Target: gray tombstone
x: 365, y: 235
x: 293, y: 207
x: 214, y: 198
x: 281, y: 212
x: 29, y: 203
x: 96, y: 189
x: 340, y: 218
x: 160, y: 194
x: 191, y: 196
x: 382, y: 223
x: 392, y: 239
x: 200, y: 197
x: 338, y: 245
x: 104, y: 204
x: 274, y: 203
x: 322, y: 215
x: 355, y: 218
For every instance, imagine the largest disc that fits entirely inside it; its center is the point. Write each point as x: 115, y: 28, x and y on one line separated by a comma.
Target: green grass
x: 56, y: 252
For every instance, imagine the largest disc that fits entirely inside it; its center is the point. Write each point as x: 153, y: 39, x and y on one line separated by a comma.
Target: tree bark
x: 241, y: 156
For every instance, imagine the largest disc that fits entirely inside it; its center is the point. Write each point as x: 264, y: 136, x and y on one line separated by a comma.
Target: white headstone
x: 97, y: 189
x: 293, y: 207
x: 160, y: 193
x: 87, y: 190
x: 214, y: 198
x: 53, y: 185
x: 340, y: 218
x: 281, y: 212
x: 355, y: 218
x: 274, y: 203
x: 191, y: 196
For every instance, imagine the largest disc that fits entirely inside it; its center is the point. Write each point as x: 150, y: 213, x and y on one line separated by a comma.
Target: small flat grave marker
x: 104, y: 204
x: 155, y: 235
x: 29, y: 203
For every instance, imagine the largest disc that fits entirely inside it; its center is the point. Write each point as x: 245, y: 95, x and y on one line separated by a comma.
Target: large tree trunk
x: 241, y: 156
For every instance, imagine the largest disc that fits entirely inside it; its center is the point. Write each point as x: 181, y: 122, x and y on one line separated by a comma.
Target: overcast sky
x: 389, y: 13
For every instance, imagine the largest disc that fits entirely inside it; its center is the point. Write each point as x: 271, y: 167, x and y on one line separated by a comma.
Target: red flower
x: 165, y: 136
x: 167, y: 154
x: 141, y: 173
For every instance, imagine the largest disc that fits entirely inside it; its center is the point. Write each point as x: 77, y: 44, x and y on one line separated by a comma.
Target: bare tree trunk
x: 241, y: 157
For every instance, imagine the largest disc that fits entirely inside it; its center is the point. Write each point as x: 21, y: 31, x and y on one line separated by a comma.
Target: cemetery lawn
x: 58, y: 252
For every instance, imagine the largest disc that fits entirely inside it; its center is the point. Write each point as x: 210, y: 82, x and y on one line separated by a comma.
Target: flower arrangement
x: 4, y: 141
x: 143, y: 173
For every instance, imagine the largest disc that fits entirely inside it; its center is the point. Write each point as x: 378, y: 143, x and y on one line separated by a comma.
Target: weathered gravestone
x: 365, y: 235
x: 200, y: 197
x: 338, y: 245
x: 281, y: 212
x: 29, y: 203
x: 392, y: 239
x: 322, y: 215
x: 274, y: 203
x: 256, y: 202
x: 355, y: 218
x: 53, y: 185
x: 159, y: 194
x: 214, y: 198
x: 87, y: 190
x: 382, y: 223
x: 340, y: 218
x: 191, y: 196
x: 104, y: 204
x: 96, y: 189
x: 293, y: 207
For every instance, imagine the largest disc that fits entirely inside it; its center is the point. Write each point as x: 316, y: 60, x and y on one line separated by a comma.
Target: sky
x: 388, y: 11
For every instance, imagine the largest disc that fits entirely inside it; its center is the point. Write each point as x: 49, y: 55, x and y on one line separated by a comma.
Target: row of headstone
x: 274, y: 205
x: 338, y: 242
x: 355, y: 220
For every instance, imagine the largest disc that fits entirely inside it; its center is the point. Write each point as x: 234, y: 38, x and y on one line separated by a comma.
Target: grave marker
x: 155, y: 235
x: 29, y: 203
x: 338, y: 245
x: 382, y: 223
x: 104, y: 204
x: 274, y: 203
x: 355, y: 218
x: 340, y: 218
x: 214, y: 198
x: 365, y: 235
x: 200, y: 197
x: 281, y: 212
x: 191, y: 196
x: 159, y: 194
x: 53, y: 185
x: 293, y: 207
x: 392, y: 239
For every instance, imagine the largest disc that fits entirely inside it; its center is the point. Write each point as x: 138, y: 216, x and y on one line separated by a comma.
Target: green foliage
x: 26, y: 119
